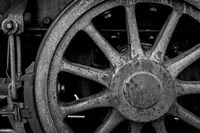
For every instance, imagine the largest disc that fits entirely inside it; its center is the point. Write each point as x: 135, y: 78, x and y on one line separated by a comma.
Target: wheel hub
x: 142, y: 90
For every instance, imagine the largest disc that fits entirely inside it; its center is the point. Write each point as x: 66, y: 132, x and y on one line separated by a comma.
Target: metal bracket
x: 29, y: 101
x: 14, y: 24
x: 13, y: 113
x: 16, y: 13
x: 26, y: 113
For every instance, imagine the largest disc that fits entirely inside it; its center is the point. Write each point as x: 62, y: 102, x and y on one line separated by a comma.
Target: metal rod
x: 13, y: 67
x: 6, y: 113
x: 7, y: 131
x: 19, y: 62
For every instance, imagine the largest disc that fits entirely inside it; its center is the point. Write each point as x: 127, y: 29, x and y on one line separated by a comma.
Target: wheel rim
x: 124, y: 69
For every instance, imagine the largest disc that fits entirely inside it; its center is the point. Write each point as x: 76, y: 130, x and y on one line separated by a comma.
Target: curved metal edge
x: 47, y: 122
x: 50, y: 30
x: 29, y: 102
x: 195, y: 3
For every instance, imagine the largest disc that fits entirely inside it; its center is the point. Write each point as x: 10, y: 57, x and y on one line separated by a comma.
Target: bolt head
x: 9, y: 25
x: 47, y: 20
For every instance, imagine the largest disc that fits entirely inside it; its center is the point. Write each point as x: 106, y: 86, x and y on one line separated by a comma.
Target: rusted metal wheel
x: 139, y: 86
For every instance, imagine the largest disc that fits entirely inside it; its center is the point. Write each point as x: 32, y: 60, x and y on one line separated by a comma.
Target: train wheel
x: 85, y: 82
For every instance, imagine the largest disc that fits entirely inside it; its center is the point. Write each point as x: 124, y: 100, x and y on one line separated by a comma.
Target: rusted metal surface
x: 141, y: 88
x: 133, y: 33
x: 187, y: 87
x: 162, y: 41
x: 102, y: 77
x: 142, y: 91
x: 68, y: 19
x: 145, y: 90
x: 114, y: 57
x: 99, y: 100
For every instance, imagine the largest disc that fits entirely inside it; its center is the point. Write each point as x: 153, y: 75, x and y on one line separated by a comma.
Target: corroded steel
x: 140, y: 88
x: 133, y: 34
x: 89, y: 72
x: 144, y: 90
x: 114, y: 57
x: 162, y: 41
x: 187, y: 87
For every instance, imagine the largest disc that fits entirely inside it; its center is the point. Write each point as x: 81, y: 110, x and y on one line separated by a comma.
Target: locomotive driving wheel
x: 134, y: 85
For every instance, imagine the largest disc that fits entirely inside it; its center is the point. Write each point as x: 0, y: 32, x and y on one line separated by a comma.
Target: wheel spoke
x: 133, y: 34
x: 186, y: 116
x: 97, y: 75
x: 94, y: 101
x: 187, y: 87
x: 112, y: 55
x: 159, y: 126
x: 111, y: 122
x: 162, y: 41
x: 175, y: 66
x: 135, y: 127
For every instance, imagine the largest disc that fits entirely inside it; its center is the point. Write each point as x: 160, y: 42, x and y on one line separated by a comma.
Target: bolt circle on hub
x: 145, y: 89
